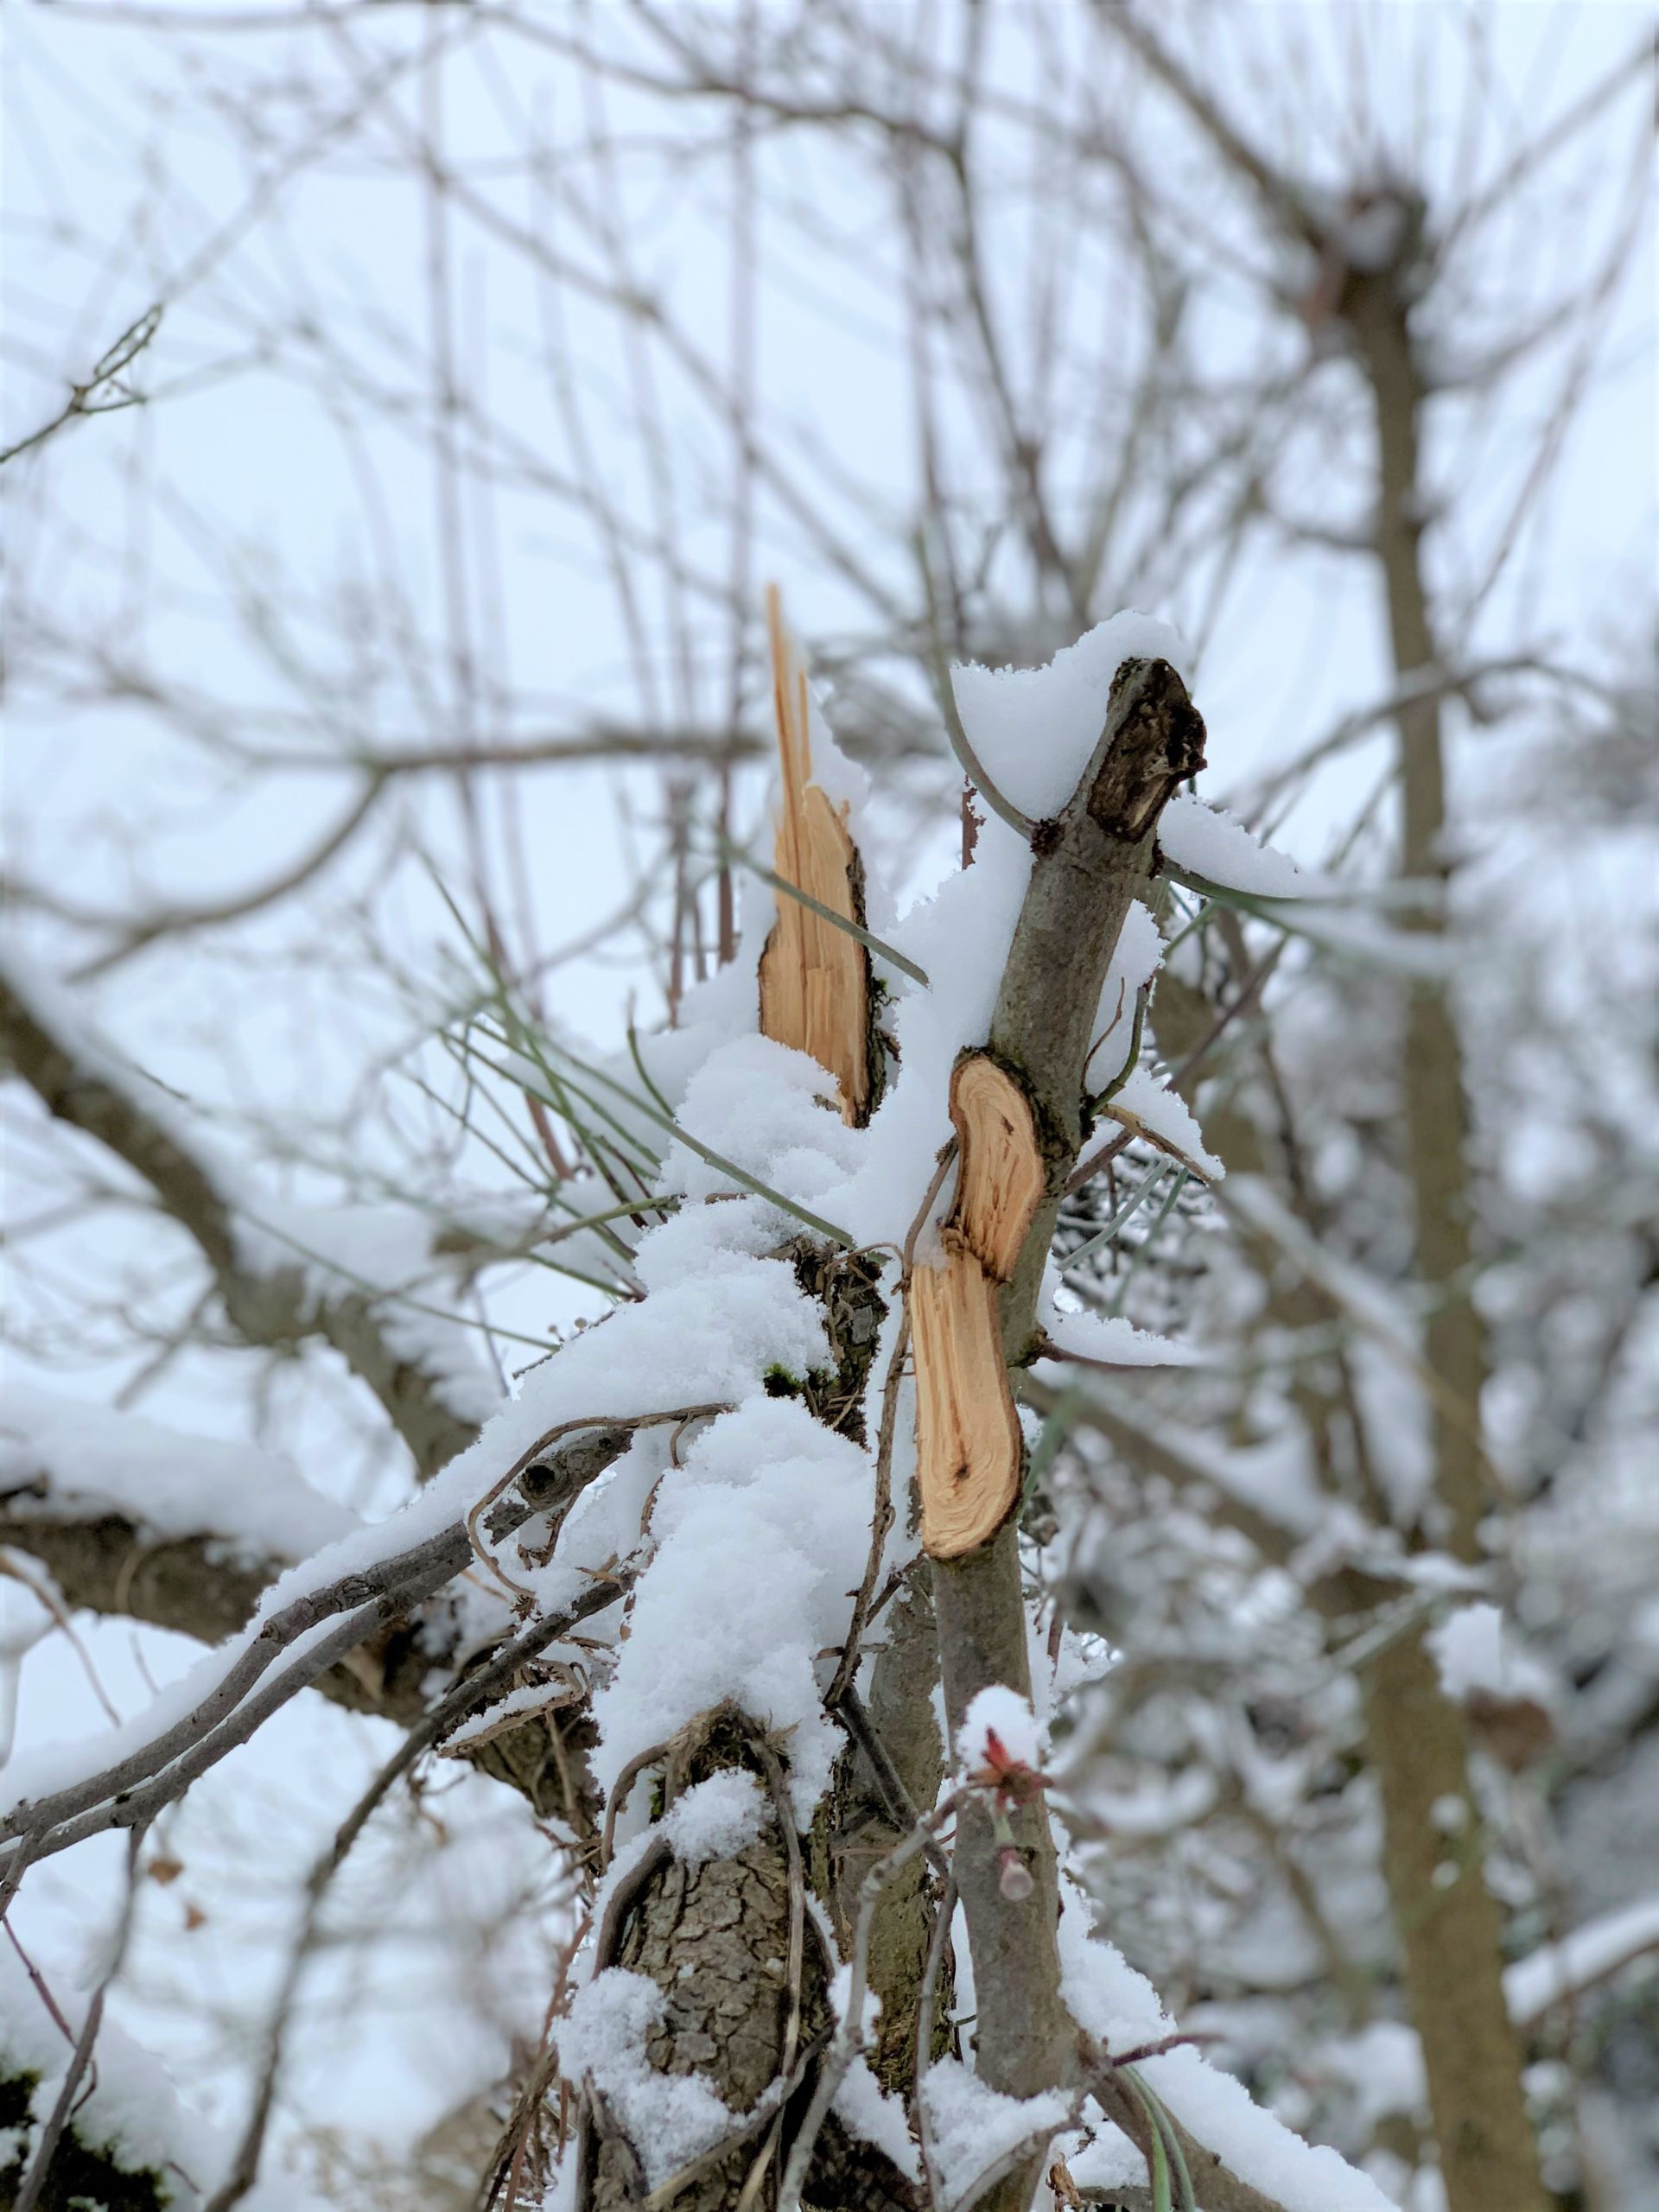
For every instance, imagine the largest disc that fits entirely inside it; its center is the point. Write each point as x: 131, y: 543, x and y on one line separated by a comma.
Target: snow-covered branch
x: 268, y: 1296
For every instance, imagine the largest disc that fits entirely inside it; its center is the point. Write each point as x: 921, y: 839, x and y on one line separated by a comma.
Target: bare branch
x: 102, y: 391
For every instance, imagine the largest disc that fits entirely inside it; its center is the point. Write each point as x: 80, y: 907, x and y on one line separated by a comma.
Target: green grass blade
x: 739, y: 1175
x: 1164, y: 1212
x: 866, y: 937
x: 1130, y: 1206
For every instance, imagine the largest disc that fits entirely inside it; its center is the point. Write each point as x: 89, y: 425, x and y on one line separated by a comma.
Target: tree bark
x: 1449, y: 1935
x: 1415, y: 1746
x: 859, y: 1826
x: 1088, y: 866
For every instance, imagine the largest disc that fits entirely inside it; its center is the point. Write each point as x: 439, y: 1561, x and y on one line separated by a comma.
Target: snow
x: 1382, y: 2066
x: 1364, y: 1296
x: 762, y: 1535
x: 873, y: 2116
x: 1478, y: 1656
x: 1034, y: 729
x: 959, y: 936
x: 717, y: 1818
x: 1206, y: 842
x: 560, y: 2194
x: 1273, y: 1477
x: 1110, y: 2161
x: 503, y: 1712
x: 51, y: 1767
x: 999, y: 1711
x: 385, y: 1249
x: 98, y: 1460
x: 1259, y: 2149
x: 762, y: 1106
x: 1109, y: 1340
x: 624, y: 1860
x: 1123, y: 2011
x: 388, y: 1252
x: 1589, y: 1954
x: 1468, y: 1648
x: 1135, y: 960
x: 753, y: 1523
x: 1147, y: 1105
x: 1104, y: 1994
x: 677, y: 1347
x: 128, y: 2106
x: 970, y: 2127
x: 1398, y: 1420
x: 700, y: 1241
x: 62, y: 1015
x: 671, y: 2118
x: 1160, y: 1808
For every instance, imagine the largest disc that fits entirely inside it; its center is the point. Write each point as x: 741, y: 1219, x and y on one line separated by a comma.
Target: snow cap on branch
x: 1033, y: 729
x: 998, y: 1727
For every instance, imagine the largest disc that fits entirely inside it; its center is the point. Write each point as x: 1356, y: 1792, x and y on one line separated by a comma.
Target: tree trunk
x: 1449, y: 1935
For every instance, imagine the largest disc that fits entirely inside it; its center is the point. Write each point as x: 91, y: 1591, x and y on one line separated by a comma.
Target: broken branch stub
x: 815, y: 978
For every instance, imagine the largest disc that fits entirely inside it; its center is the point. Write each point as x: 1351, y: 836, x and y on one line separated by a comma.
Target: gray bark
x: 1088, y: 866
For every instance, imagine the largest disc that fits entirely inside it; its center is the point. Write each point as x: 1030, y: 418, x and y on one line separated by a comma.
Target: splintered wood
x: 1000, y: 1181
x: 969, y: 1453
x: 815, y: 978
x: 968, y: 1443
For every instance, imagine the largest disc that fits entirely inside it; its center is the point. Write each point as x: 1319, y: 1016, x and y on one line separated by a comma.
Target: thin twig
x: 40, y: 2171
x: 105, y: 373
x: 619, y: 1796
x: 926, y: 2007
x: 796, y: 1963
x: 848, y: 2038
x: 465, y: 1696
x: 482, y: 1550
x: 881, y: 1517
x: 967, y: 759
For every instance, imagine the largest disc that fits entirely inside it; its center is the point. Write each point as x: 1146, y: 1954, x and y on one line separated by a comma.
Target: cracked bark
x: 715, y: 1939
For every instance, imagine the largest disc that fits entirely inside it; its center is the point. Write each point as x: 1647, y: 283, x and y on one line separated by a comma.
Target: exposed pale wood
x: 815, y: 978
x: 968, y: 1441
x: 1003, y: 1172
